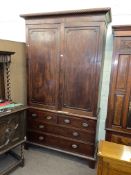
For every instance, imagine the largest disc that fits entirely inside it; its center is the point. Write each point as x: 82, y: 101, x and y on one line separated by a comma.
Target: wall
x: 13, y: 28
x: 17, y: 69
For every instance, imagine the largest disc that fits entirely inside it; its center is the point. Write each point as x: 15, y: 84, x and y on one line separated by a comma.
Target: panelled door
x: 43, y: 61
x: 119, y: 107
x: 65, y: 73
x: 80, y: 65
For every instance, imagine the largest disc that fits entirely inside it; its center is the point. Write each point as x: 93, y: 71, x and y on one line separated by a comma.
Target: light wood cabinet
x: 113, y: 159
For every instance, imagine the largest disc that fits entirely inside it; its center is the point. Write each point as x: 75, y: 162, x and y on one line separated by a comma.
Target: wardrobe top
x: 93, y: 11
x: 121, y: 30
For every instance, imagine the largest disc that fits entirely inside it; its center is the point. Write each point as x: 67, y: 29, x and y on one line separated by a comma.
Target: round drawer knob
x: 41, y: 138
x: 75, y: 134
x: 41, y: 126
x: 74, y: 146
x: 66, y: 121
x: 85, y: 125
x: 49, y: 117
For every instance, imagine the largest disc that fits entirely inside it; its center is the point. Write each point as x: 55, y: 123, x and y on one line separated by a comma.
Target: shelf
x: 11, y: 160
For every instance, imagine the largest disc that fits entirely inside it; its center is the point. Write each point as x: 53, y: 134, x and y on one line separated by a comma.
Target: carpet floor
x: 47, y: 162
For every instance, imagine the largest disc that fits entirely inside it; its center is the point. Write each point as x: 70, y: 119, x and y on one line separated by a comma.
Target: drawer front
x: 81, y: 123
x: 62, y: 131
x: 41, y: 115
x: 61, y: 143
x: 121, y: 140
x: 12, y: 130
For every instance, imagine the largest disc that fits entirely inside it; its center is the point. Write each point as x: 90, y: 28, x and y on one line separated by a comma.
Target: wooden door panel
x: 122, y: 61
x: 122, y: 71
x: 43, y: 61
x: 120, y: 91
x: 120, y: 87
x: 80, y: 57
x: 118, y: 109
x: 12, y: 130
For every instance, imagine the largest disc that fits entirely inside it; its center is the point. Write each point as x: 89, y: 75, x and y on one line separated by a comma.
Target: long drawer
x: 82, y: 123
x: 62, y: 130
x: 61, y: 143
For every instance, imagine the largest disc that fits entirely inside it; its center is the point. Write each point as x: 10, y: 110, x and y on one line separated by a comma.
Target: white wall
x: 12, y: 27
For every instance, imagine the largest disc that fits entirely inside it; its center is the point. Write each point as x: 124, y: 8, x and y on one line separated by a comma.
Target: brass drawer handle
x: 74, y: 146
x: 85, y: 125
x: 41, y: 126
x: 49, y: 117
x: 34, y: 115
x: 66, y: 121
x: 75, y: 134
x: 41, y: 138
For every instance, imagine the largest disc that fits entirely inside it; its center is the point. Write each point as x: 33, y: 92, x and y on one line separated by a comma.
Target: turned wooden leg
x: 22, y: 163
x: 92, y: 164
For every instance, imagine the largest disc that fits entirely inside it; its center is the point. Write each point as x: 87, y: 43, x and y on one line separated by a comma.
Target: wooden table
x: 113, y: 159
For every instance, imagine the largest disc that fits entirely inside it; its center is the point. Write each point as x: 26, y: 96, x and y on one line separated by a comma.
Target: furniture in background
x: 65, y: 52
x: 118, y: 123
x: 12, y: 121
x: 113, y: 159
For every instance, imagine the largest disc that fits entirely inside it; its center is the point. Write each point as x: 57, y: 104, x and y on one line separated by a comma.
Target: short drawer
x: 41, y: 115
x: 62, y: 131
x: 121, y: 140
x: 76, y: 122
x: 61, y: 143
